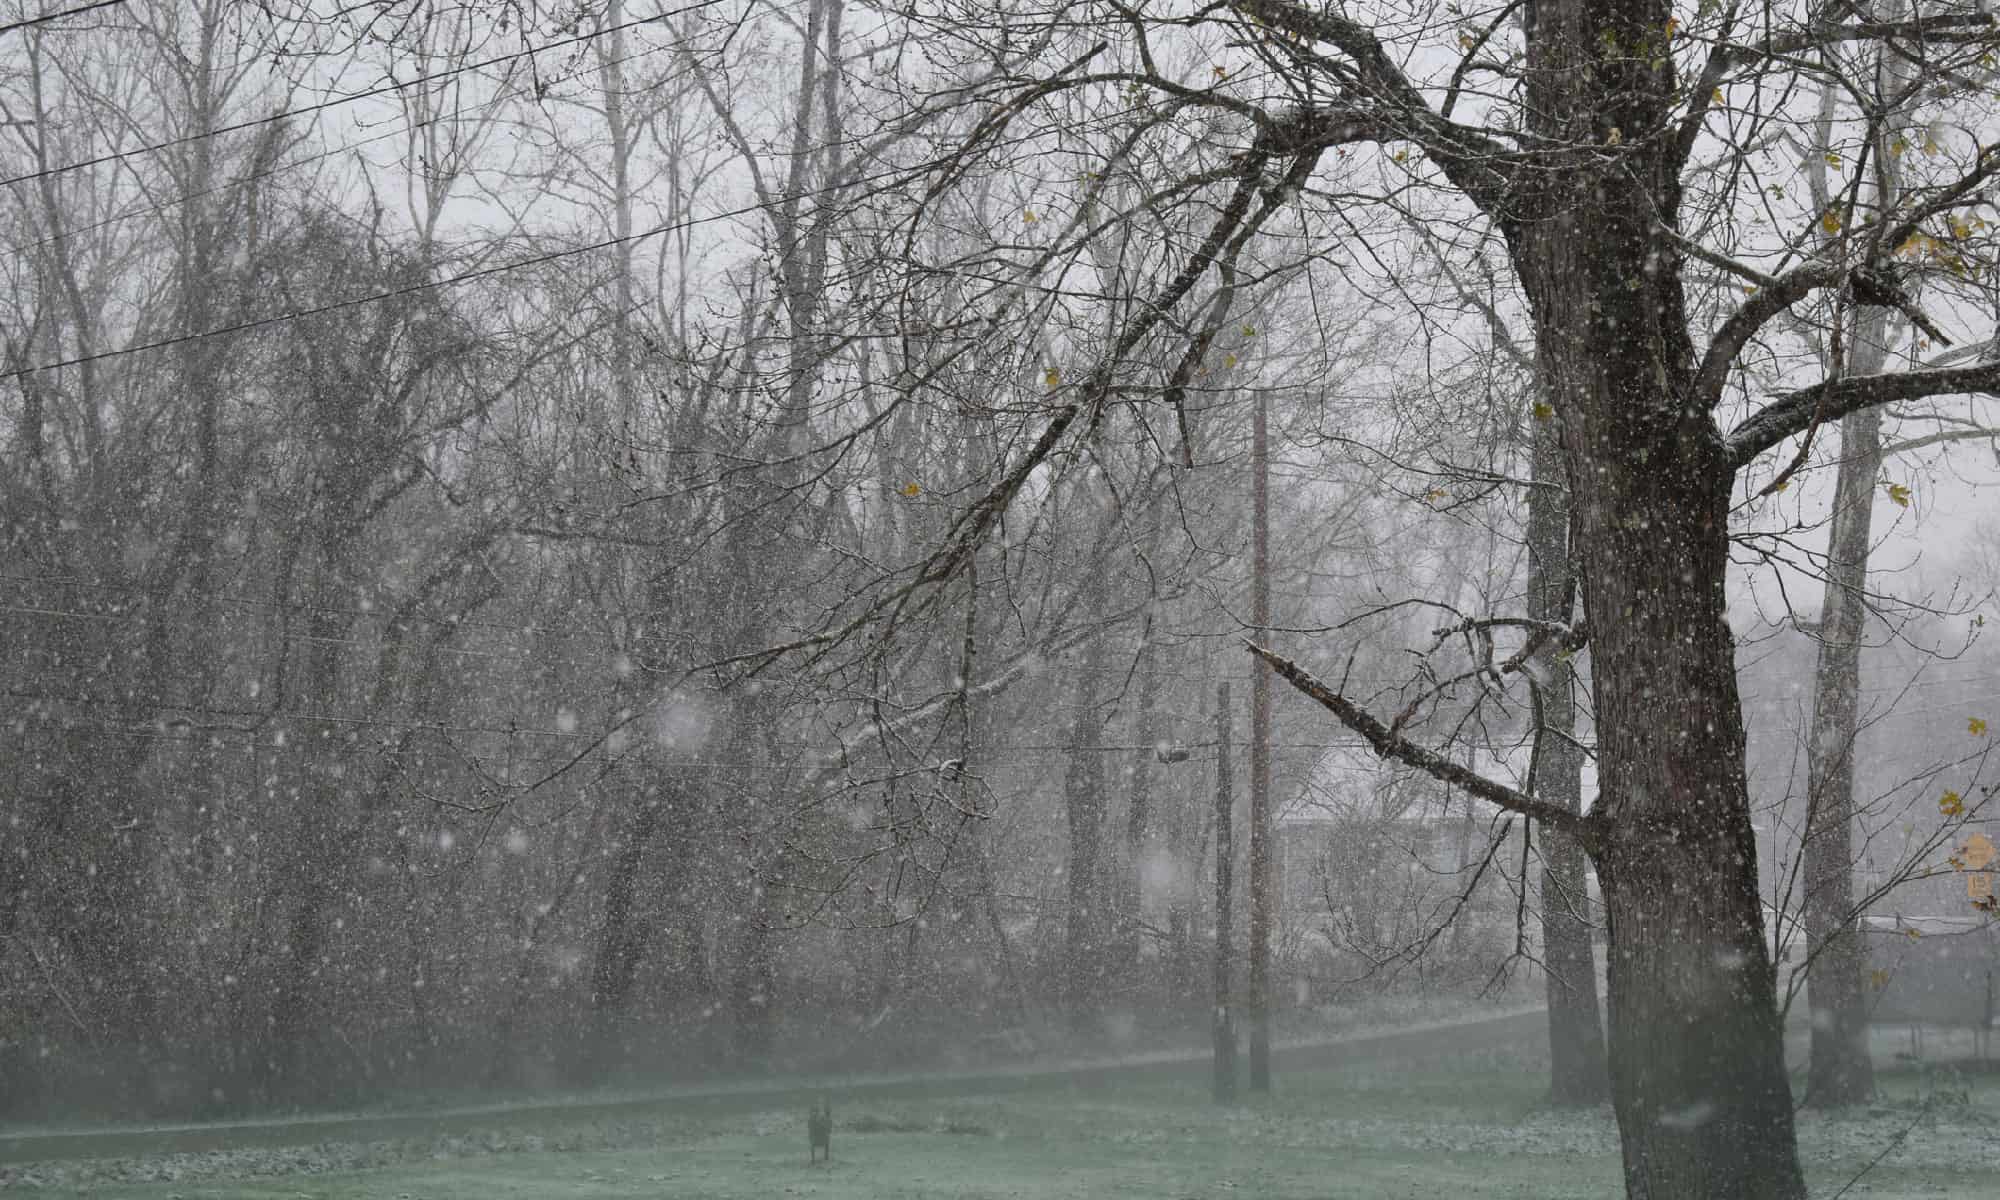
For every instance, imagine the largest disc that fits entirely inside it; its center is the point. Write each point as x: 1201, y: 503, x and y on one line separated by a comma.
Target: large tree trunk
x: 1696, y: 1056
x: 1696, y: 1052
x: 1576, y: 1038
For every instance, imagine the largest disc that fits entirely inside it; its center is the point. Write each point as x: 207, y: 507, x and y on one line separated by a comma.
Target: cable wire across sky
x: 349, y: 98
x: 73, y: 232
x: 45, y: 18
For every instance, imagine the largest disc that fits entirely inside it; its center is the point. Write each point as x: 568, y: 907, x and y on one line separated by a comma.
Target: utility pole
x: 1261, y: 899
x: 1224, y: 1024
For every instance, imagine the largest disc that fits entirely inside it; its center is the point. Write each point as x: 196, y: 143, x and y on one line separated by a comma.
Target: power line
x: 1315, y: 746
x: 1756, y: 710
x: 282, y: 716
x: 375, y: 297
x: 295, y: 164
x: 45, y: 18
x: 321, y: 639
x: 411, y: 289
x: 348, y: 98
x: 815, y: 750
x: 394, y: 293
x: 229, y: 600
x: 191, y: 605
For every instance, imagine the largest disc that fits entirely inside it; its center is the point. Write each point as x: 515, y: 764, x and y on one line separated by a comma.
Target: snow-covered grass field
x: 1465, y: 1124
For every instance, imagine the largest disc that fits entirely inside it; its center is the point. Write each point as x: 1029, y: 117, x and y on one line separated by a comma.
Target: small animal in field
x: 819, y: 1130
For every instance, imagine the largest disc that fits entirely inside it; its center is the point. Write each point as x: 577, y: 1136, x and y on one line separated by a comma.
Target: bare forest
x: 561, y: 546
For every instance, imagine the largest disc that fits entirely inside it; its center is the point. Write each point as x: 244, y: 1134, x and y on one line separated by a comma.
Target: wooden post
x: 1224, y: 1022
x: 1262, y: 900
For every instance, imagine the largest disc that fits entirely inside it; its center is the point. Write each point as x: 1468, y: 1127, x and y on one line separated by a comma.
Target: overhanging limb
x: 1389, y: 744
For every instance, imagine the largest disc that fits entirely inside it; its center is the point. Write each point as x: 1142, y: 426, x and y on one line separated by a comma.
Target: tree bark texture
x: 1696, y: 1053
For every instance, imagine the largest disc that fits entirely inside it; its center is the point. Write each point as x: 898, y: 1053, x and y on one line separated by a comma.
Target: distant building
x: 1364, y: 891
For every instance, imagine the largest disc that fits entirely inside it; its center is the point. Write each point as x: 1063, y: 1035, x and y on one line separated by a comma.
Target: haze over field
x: 569, y: 553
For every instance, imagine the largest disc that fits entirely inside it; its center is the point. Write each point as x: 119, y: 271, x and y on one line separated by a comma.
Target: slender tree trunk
x: 1576, y: 1038
x: 1223, y: 1025
x: 621, y: 939
x: 611, y: 57
x: 1468, y: 831
x: 511, y: 1057
x: 754, y: 986
x: 1083, y: 808
x: 309, y: 878
x: 1841, y: 1072
x: 1138, y: 818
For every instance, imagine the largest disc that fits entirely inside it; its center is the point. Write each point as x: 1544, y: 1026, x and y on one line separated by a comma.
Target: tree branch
x: 1381, y: 94
x: 1780, y: 294
x: 1834, y: 399
x: 1388, y: 744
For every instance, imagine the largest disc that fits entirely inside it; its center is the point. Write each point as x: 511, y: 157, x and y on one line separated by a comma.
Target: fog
x: 706, y: 562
